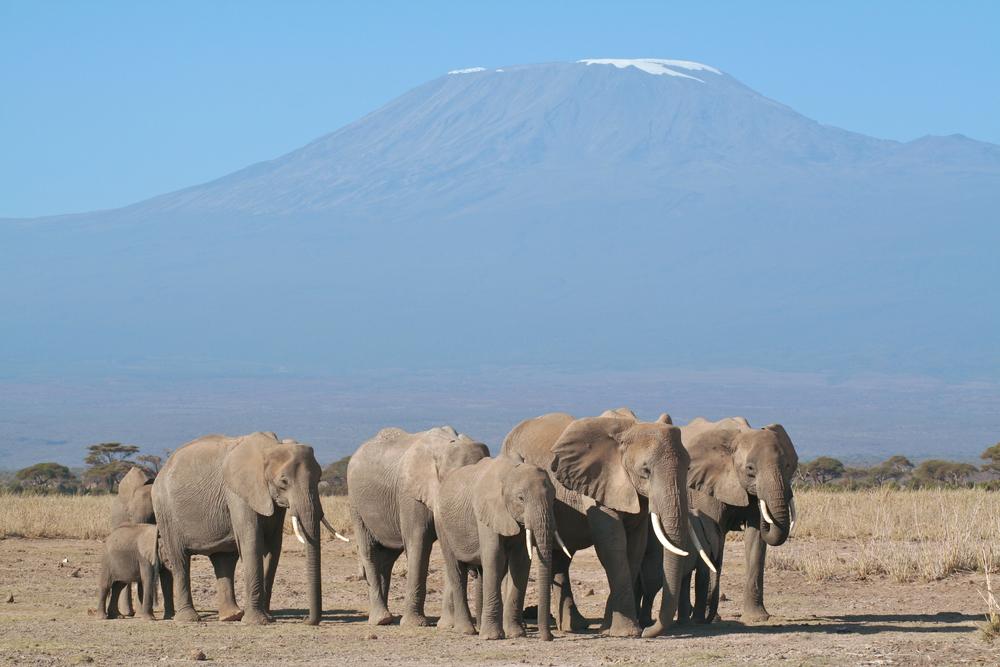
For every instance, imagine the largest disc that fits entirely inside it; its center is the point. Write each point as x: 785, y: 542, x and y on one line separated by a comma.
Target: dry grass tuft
x: 88, y: 517
x: 990, y: 628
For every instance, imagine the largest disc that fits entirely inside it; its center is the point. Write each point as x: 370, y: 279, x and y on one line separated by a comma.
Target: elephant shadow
x: 329, y: 615
x: 847, y: 624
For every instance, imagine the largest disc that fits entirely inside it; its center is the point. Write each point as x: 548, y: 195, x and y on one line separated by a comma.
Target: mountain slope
x: 590, y: 214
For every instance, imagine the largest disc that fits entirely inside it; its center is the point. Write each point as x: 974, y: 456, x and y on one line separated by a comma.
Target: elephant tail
x: 155, y: 583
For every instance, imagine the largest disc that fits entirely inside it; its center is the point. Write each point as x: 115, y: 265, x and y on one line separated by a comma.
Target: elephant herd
x: 653, y: 499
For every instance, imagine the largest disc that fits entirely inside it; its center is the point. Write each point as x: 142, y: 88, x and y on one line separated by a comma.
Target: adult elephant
x: 226, y: 497
x: 132, y: 504
x: 741, y: 480
x: 392, y: 487
x: 612, y: 475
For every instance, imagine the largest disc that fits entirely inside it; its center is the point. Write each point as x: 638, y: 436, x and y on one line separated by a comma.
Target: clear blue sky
x: 103, y: 104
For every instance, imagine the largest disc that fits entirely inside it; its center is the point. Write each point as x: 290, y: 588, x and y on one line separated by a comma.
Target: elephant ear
x: 620, y: 413
x: 588, y: 460
x: 712, y: 468
x: 243, y: 473
x: 665, y: 419
x: 130, y: 483
x: 488, y: 500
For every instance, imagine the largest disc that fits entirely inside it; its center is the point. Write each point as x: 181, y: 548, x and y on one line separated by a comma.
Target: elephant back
x: 533, y: 439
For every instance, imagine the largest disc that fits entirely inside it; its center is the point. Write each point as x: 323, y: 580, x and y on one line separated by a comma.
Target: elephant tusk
x: 527, y: 540
x: 658, y: 529
x: 298, y: 531
x: 700, y: 549
x: 764, y: 513
x: 332, y: 530
x: 791, y: 509
x: 562, y: 545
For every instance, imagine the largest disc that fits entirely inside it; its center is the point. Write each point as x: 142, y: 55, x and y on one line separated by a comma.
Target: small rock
x: 10, y: 599
x: 371, y: 635
x: 76, y: 573
x: 64, y: 562
x: 198, y: 654
x: 590, y: 591
x: 723, y: 597
x: 83, y: 659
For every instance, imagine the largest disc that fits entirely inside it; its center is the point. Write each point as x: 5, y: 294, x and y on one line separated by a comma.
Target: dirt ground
x: 874, y: 622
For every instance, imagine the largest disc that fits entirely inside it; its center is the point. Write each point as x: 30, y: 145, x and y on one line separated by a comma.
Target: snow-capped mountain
x: 601, y: 212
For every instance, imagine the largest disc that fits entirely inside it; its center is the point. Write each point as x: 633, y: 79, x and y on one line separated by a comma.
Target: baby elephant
x: 489, y: 516
x: 130, y: 556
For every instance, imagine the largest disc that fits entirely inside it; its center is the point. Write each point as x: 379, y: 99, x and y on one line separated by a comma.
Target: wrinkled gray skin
x: 226, y: 497
x: 736, y: 465
x: 132, y: 504
x: 609, y: 473
x: 130, y: 556
x: 392, y: 486
x: 481, y: 516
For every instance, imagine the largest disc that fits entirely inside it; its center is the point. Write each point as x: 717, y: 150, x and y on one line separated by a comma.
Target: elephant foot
x: 256, y: 617
x: 187, y: 615
x: 571, y: 620
x: 755, y: 614
x: 514, y: 629
x: 101, y: 615
x: 465, y: 628
x: 384, y: 618
x: 490, y: 633
x: 415, y: 620
x: 229, y: 615
x: 623, y: 628
x: 655, y: 630
x: 445, y: 623
x: 146, y: 617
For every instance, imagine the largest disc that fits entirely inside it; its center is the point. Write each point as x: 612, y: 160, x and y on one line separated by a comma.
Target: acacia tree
x: 821, y: 470
x: 992, y: 457
x: 937, y: 471
x: 150, y: 463
x: 895, y: 468
x: 47, y: 477
x: 107, y: 463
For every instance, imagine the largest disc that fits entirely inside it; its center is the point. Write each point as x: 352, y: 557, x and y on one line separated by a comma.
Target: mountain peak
x: 655, y: 66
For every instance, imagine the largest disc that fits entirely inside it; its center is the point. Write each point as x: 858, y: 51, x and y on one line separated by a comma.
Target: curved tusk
x: 791, y: 509
x: 298, y: 531
x: 764, y: 513
x: 527, y: 540
x: 700, y: 549
x: 562, y: 545
x: 332, y: 530
x: 658, y: 529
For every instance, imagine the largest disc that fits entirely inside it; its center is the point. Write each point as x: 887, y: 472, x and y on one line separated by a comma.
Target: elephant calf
x: 132, y: 504
x: 490, y: 516
x: 130, y: 556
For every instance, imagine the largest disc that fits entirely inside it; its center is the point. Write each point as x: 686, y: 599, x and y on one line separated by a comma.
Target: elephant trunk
x: 308, y: 516
x: 668, y: 508
x: 773, y: 504
x: 542, y: 523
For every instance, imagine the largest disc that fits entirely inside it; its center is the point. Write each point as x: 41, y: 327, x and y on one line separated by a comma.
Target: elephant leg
x: 273, y: 539
x: 103, y: 593
x: 755, y: 550
x: 568, y: 617
x: 457, y: 576
x: 650, y: 579
x: 250, y: 545
x: 447, y: 619
x: 611, y: 544
x: 701, y: 592
x: 167, y: 589
x: 123, y: 603
x: 417, y: 544
x: 116, y: 589
x: 493, y: 556
x: 683, y: 601
x: 515, y: 587
x: 181, y: 570
x: 147, y: 583
x: 224, y: 565
x: 477, y: 593
x: 376, y: 563
x: 713, y: 589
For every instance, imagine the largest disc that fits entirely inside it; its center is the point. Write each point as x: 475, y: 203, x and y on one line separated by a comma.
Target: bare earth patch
x: 841, y: 620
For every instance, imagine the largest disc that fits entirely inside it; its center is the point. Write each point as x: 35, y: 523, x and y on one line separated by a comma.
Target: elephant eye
x: 644, y: 472
x: 751, y: 469
x: 283, y: 482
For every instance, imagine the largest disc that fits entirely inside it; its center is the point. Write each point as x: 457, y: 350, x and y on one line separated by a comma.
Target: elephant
x: 612, y: 474
x: 490, y: 516
x: 226, y: 497
x: 130, y: 556
x: 392, y: 485
x: 740, y: 479
x: 133, y: 504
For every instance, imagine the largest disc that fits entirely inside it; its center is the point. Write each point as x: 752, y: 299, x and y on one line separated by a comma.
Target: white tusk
x: 527, y: 539
x: 335, y: 533
x: 764, y: 513
x: 701, y: 549
x: 298, y: 531
x: 791, y: 509
x: 658, y: 529
x: 562, y: 545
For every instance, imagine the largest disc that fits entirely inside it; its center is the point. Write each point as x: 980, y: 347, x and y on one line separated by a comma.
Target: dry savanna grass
x: 87, y: 517
x: 903, y: 535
